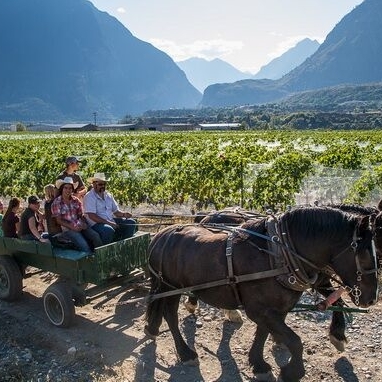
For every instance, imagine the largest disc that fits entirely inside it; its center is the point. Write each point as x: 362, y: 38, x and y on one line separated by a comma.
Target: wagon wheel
x: 11, y: 281
x: 59, y: 305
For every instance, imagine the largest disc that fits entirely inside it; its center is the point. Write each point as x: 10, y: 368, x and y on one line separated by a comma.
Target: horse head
x: 375, y: 220
x: 361, y: 275
x: 328, y: 236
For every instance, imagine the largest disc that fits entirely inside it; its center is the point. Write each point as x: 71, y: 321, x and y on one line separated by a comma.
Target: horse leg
x: 170, y: 312
x: 337, y: 327
x: 154, y: 314
x: 233, y: 315
x: 275, y: 322
x: 261, y: 369
x: 191, y: 303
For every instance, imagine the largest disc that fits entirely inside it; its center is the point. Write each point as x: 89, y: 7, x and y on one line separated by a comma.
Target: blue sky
x: 245, y: 33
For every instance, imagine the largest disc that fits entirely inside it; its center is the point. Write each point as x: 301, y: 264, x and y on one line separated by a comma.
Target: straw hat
x: 66, y: 180
x: 98, y: 177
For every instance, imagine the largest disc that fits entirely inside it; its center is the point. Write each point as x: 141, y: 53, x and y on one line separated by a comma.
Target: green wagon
x: 81, y: 275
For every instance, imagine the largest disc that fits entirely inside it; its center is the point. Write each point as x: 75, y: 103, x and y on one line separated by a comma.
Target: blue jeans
x: 85, y: 241
x: 126, y: 228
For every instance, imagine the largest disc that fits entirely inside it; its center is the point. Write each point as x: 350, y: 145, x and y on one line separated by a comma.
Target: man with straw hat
x: 103, y: 214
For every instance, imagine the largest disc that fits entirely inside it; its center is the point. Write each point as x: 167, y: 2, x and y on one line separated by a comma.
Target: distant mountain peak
x: 289, y: 60
x: 202, y: 73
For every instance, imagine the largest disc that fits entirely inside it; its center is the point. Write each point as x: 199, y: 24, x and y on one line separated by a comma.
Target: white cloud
x: 121, y: 10
x: 207, y: 49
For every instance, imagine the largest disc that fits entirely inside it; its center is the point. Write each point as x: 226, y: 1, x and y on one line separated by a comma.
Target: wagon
x: 81, y: 275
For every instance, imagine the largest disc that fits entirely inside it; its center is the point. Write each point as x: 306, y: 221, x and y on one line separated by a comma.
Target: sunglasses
x: 101, y: 184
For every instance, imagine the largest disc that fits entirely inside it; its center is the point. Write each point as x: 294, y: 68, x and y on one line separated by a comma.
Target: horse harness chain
x: 286, y: 264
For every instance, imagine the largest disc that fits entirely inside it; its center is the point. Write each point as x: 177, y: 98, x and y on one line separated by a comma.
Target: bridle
x: 355, y: 291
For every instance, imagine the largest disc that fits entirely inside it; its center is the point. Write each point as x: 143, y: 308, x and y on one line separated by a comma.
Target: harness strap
x: 231, y: 275
x: 212, y: 284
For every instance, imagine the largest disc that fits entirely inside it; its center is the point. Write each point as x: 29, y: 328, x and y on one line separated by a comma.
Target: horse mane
x: 355, y: 208
x: 312, y: 221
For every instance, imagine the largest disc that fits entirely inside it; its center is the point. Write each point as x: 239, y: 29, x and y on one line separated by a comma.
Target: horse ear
x: 372, y: 220
x: 364, y: 223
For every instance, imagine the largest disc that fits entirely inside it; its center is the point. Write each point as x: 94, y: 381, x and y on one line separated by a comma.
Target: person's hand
x: 127, y: 215
x: 77, y: 226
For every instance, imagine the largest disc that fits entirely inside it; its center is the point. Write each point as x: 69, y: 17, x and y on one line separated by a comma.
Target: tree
x: 20, y: 127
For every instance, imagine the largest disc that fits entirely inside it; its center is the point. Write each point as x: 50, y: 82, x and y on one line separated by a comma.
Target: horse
x: 227, y: 269
x: 237, y: 216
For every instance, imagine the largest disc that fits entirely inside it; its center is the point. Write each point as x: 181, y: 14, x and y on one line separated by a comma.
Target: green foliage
x: 276, y: 185
x: 246, y: 168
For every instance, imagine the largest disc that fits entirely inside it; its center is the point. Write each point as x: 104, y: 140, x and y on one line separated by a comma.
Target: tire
x: 11, y: 281
x: 59, y: 305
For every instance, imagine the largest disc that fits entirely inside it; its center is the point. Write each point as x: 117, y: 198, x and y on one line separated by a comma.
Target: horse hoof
x: 233, y: 316
x: 191, y: 308
x: 338, y: 344
x: 265, y: 377
x: 191, y: 362
x: 150, y: 335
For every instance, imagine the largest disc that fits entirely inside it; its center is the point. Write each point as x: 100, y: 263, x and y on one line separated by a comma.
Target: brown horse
x: 230, y: 269
x: 237, y: 216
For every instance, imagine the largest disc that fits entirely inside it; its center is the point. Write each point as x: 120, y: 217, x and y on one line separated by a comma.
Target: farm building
x: 79, y: 127
x: 219, y: 126
x: 119, y: 126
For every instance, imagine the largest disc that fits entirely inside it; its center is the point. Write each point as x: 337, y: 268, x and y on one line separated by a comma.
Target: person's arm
x: 121, y: 214
x: 97, y: 219
x: 80, y: 192
x: 33, y: 229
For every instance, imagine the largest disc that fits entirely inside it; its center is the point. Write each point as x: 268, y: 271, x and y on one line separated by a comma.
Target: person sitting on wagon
x: 103, y: 214
x: 67, y: 209
x: 30, y: 221
x: 11, y: 220
x: 72, y: 165
x: 52, y: 226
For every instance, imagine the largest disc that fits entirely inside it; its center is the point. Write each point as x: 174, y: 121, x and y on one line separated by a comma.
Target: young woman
x: 11, y: 220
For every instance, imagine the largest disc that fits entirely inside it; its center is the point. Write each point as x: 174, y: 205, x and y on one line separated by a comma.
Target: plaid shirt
x: 72, y: 212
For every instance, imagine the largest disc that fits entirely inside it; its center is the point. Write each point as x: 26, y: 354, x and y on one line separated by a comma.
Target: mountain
x: 288, y: 61
x: 351, y: 54
x: 65, y: 59
x: 202, y: 73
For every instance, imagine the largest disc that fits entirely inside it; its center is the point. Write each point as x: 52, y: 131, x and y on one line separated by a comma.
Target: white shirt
x: 103, y: 207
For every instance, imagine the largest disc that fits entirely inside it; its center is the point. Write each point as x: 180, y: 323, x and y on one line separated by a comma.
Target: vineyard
x: 257, y: 170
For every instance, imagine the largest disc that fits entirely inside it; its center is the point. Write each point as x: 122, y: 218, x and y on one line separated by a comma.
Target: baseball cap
x: 70, y: 160
x: 33, y: 199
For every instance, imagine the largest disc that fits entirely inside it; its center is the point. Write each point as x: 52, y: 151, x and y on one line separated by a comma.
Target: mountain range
x: 65, y: 60
x: 202, y: 72
x: 350, y: 54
